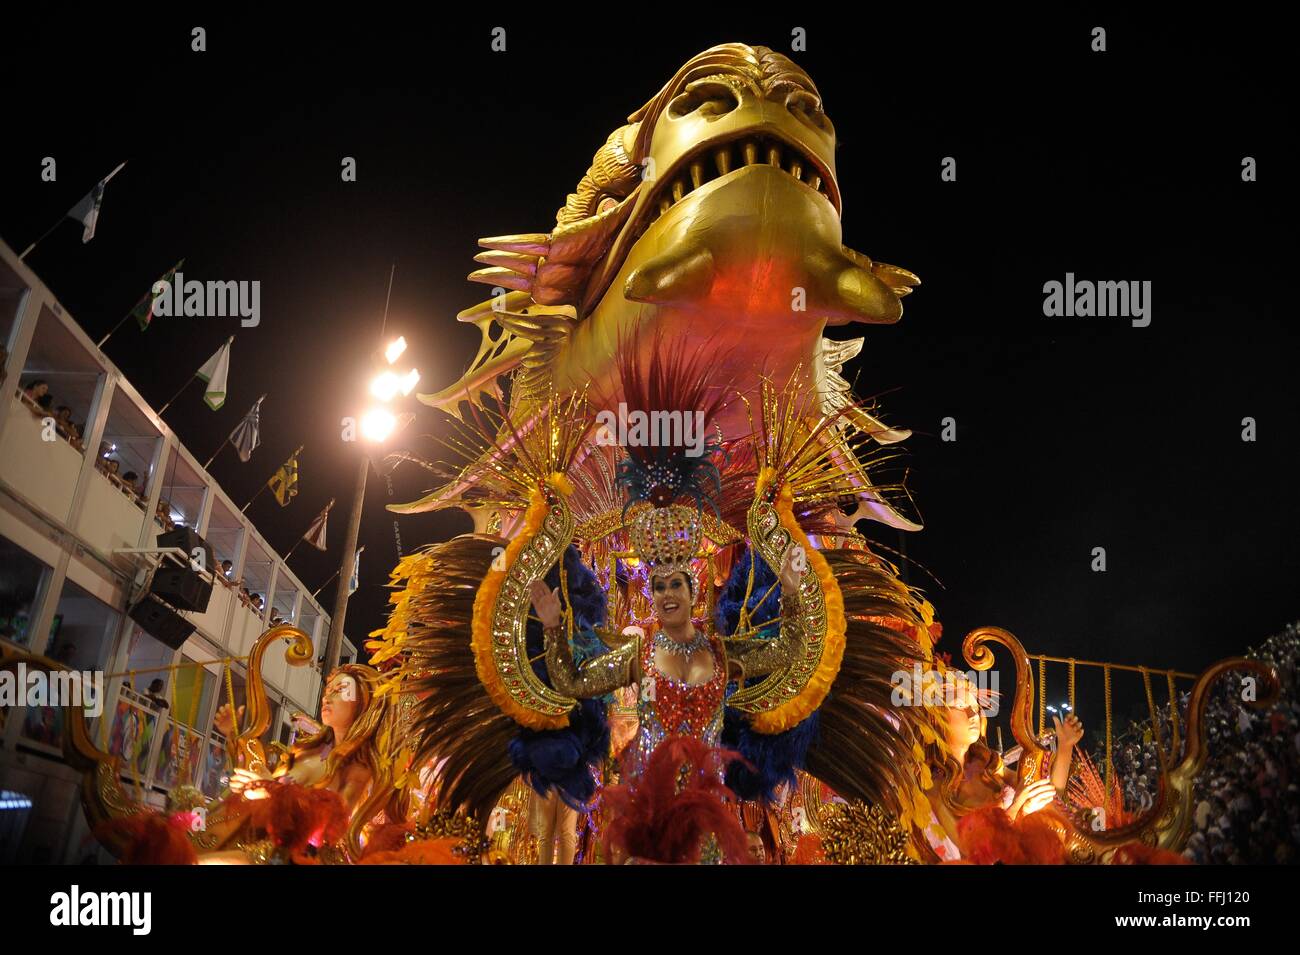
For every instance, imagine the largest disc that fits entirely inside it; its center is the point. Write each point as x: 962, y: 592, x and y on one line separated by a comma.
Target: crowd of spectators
x: 1247, y: 797
x: 253, y: 601
x: 36, y: 396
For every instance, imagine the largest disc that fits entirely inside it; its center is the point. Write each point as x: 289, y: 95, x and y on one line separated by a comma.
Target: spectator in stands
x: 228, y: 570
x: 63, y: 422
x: 1247, y: 811
x: 133, y: 481
x: 258, y: 602
x: 164, y: 515
x: 63, y: 419
x: 35, y: 390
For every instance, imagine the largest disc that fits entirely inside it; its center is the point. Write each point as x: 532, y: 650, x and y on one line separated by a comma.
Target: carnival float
x: 665, y: 640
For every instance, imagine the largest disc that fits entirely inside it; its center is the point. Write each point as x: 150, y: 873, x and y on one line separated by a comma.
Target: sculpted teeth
x: 752, y: 153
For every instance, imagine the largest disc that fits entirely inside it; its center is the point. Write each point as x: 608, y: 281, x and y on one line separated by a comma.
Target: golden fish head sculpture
x: 711, y: 220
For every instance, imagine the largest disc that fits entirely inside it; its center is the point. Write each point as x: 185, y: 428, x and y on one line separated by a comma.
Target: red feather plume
x: 679, y: 800
x: 988, y: 836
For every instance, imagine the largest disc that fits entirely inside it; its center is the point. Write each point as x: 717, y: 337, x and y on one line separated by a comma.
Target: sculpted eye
x: 709, y: 97
x: 808, y: 108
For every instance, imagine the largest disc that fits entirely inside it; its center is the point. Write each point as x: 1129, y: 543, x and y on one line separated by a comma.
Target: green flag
x: 143, y: 311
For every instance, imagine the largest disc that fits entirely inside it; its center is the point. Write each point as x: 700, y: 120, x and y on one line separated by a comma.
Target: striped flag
x: 284, y: 482
x: 87, y: 210
x: 214, y: 374
x: 143, y: 311
x: 355, y: 580
x: 247, y: 434
x: 316, y: 533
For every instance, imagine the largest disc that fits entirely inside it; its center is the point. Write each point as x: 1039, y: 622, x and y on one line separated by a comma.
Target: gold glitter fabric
x: 762, y: 656
x: 598, y: 676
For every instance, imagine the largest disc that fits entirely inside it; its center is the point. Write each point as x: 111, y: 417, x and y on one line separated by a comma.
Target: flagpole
x: 177, y: 395
x: 294, y: 548
x: 245, y: 508
x: 316, y: 592
x: 43, y: 237
x: 216, y: 452
x: 100, y: 343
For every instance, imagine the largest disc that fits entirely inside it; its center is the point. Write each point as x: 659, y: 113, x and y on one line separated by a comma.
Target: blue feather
x: 562, y: 759
x: 770, y: 759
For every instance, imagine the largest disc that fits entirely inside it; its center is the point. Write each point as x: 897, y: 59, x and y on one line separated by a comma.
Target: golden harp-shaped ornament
x: 771, y: 531
x: 246, y: 748
x: 1167, y: 824
x: 502, y: 606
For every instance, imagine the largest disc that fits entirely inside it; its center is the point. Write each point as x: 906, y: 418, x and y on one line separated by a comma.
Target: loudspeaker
x: 187, y: 540
x: 161, y: 622
x: 182, y: 587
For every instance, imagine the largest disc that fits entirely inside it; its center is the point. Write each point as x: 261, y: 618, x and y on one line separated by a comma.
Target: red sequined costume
x: 667, y: 707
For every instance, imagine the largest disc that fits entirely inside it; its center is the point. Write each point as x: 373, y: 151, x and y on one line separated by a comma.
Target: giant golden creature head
x: 736, y: 138
x: 712, y: 217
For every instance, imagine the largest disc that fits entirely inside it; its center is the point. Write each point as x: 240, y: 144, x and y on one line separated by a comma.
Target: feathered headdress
x: 666, y: 398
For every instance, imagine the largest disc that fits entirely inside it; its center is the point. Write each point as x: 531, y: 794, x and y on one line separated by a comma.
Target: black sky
x: 1072, y: 433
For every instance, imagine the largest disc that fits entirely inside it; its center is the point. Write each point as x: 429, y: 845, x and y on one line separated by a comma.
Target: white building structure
x: 69, y: 507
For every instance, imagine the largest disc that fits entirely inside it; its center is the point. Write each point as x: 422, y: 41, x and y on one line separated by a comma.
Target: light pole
x: 376, y: 426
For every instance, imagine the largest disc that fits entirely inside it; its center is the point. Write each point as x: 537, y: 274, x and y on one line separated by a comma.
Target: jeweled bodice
x: 670, y: 707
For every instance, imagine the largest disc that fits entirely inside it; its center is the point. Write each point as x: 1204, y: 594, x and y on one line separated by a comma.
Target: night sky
x: 1071, y: 433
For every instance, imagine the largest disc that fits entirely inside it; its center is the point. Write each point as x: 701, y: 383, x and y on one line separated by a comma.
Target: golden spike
x: 722, y: 159
x: 502, y: 277
x: 750, y: 151
x: 523, y: 264
x: 529, y: 243
x: 697, y: 174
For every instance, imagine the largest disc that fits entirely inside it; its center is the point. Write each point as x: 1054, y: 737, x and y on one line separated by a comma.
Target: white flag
x: 355, y: 580
x: 87, y: 210
x: 214, y: 373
